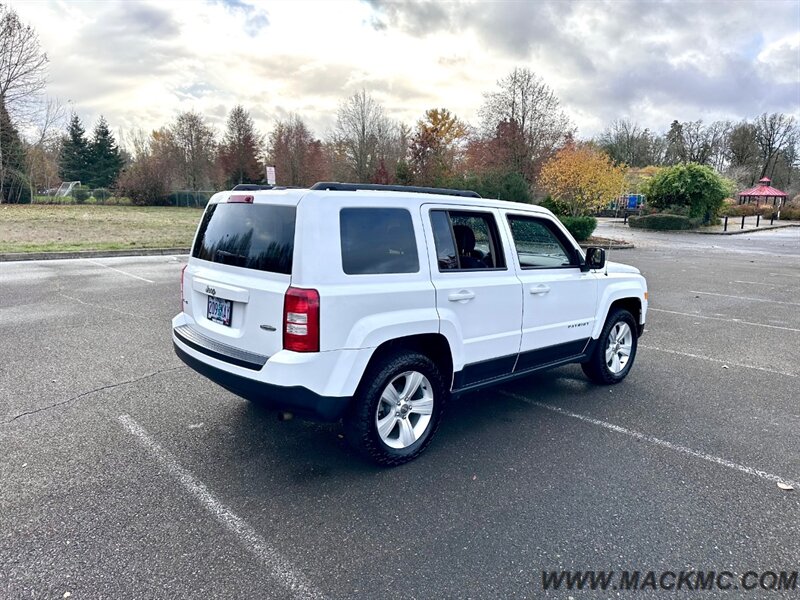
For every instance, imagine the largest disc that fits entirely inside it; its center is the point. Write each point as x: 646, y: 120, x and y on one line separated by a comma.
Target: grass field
x: 40, y: 228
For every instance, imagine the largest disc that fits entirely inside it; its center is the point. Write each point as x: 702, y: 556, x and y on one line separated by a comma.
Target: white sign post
x: 271, y: 175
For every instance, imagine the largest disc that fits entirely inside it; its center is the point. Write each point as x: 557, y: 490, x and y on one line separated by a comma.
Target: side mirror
x: 595, y: 258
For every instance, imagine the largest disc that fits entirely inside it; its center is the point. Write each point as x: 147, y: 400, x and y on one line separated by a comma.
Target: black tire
x: 360, y: 422
x: 597, y: 367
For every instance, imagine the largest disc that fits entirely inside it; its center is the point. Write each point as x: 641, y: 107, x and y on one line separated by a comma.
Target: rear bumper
x: 295, y: 399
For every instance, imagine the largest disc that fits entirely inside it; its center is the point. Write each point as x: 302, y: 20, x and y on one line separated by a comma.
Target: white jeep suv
x: 375, y: 304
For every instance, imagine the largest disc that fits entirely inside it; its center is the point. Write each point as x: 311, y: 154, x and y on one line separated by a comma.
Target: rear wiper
x: 227, y: 254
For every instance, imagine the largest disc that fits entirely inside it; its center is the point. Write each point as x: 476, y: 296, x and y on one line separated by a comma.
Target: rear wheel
x: 397, y: 409
x: 613, y: 357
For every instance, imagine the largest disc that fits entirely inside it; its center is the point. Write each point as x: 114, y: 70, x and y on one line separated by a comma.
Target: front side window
x: 378, y: 240
x: 537, y: 243
x: 251, y: 236
x: 466, y: 240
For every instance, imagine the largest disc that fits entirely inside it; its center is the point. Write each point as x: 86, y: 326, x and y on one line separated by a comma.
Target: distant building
x: 763, y: 193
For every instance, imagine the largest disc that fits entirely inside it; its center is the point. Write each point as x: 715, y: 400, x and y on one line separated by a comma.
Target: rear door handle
x: 540, y: 290
x: 462, y: 296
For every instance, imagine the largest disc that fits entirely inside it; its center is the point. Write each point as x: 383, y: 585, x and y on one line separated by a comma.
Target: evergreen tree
x: 240, y: 149
x: 75, y: 154
x: 13, y: 182
x: 676, y: 144
x: 104, y: 155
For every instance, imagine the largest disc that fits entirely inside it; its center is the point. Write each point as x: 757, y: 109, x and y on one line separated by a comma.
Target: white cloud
x: 139, y: 63
x: 780, y: 60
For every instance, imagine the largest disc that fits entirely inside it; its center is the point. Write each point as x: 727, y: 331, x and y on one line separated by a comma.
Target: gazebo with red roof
x: 763, y: 193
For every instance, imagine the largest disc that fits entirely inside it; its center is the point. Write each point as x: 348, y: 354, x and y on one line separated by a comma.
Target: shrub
x: 80, y: 193
x: 747, y: 210
x: 696, y: 187
x: 145, y: 183
x: 674, y: 209
x: 790, y: 213
x: 101, y: 195
x: 580, y: 227
x: 663, y: 222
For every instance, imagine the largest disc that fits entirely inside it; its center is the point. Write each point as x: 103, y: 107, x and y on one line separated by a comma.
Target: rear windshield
x: 251, y: 236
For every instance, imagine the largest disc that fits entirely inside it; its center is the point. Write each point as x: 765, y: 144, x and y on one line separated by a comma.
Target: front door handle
x: 540, y: 289
x: 462, y: 296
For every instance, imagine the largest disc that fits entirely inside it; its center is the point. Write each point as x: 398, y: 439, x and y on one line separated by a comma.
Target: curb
x: 614, y: 246
x: 20, y: 256
x: 743, y: 231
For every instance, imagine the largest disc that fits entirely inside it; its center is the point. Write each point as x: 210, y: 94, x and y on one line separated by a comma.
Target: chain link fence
x: 104, y: 196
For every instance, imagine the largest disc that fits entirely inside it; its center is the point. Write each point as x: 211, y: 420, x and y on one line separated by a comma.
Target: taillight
x: 246, y: 199
x: 301, y: 320
x: 183, y: 302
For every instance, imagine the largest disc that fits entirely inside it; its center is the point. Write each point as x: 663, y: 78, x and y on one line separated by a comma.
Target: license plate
x: 219, y: 310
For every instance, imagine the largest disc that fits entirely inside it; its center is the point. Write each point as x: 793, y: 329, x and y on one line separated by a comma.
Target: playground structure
x: 624, y: 205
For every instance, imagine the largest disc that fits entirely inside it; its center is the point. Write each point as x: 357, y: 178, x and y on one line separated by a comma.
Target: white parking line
x: 772, y: 285
x: 717, y: 360
x: 94, y: 262
x: 745, y: 298
x: 727, y: 319
x: 659, y: 442
x: 278, y: 567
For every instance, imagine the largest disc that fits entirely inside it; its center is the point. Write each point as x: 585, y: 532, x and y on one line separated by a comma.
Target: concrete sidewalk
x: 734, y: 226
x: 751, y: 224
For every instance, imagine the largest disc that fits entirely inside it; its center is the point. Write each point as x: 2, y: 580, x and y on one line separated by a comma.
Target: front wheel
x: 615, y: 352
x: 397, y: 409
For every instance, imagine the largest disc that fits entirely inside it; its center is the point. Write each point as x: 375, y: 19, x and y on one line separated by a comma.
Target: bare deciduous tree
x: 23, y: 70
x: 526, y: 101
x: 23, y: 64
x: 296, y: 154
x: 741, y: 154
x: 626, y: 142
x: 43, y: 148
x: 360, y: 133
x: 774, y: 134
x: 195, y: 143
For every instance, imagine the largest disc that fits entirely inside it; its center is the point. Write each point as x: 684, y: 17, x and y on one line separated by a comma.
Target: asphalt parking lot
x: 126, y: 475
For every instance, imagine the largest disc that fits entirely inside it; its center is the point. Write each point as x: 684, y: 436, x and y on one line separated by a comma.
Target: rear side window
x: 378, y: 240
x: 466, y: 241
x: 251, y: 236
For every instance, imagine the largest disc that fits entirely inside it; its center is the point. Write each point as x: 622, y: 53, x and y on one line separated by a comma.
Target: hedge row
x: 746, y: 210
x: 790, y: 213
x: 663, y: 222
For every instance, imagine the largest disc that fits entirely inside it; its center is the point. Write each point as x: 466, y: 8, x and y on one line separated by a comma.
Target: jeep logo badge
x: 211, y: 291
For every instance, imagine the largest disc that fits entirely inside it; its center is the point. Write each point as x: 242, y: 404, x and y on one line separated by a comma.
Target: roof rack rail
x: 335, y: 186
x: 251, y: 187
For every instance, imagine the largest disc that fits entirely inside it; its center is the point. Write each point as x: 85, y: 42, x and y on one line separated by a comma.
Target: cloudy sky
x: 139, y: 63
